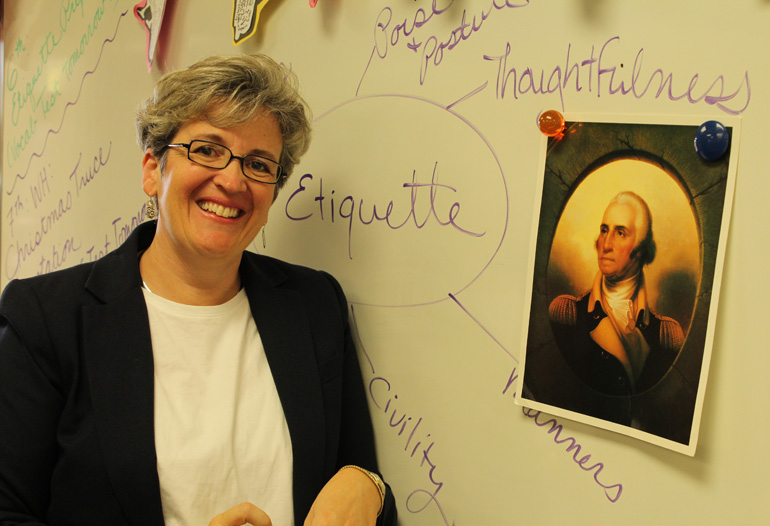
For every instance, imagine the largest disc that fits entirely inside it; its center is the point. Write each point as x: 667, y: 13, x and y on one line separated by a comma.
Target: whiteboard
x: 430, y: 105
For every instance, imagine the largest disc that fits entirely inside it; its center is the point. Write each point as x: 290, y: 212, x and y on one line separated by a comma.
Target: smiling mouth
x: 219, y: 210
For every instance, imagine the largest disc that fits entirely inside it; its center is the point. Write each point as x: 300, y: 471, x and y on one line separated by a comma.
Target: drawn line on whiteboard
x: 374, y: 49
x: 358, y: 338
x: 406, y: 427
x: 471, y: 316
x: 551, y: 425
x: 492, y: 152
x: 18, y: 176
x: 468, y: 96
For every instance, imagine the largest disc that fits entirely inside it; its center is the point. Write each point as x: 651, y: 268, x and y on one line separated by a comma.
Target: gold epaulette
x: 563, y: 310
x: 671, y: 335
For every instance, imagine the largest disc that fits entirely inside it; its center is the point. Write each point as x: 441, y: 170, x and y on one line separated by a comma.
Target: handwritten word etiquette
x: 419, y: 207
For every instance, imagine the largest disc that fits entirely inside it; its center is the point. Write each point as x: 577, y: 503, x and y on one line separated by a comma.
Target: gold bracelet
x: 375, y: 479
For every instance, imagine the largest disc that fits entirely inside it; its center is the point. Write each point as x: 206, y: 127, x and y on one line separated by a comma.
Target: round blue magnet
x: 711, y: 140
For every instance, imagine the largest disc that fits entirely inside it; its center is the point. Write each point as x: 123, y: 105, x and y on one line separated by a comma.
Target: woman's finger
x: 244, y: 513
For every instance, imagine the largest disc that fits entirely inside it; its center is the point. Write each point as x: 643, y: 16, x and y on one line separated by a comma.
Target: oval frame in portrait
x: 672, y: 278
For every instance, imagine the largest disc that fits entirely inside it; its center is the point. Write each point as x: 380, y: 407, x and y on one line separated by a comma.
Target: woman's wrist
x: 376, y: 480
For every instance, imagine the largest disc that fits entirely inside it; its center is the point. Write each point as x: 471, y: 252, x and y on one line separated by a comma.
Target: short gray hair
x: 226, y: 91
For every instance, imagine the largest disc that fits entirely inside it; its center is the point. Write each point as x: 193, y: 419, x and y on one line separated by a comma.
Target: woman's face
x: 191, y: 222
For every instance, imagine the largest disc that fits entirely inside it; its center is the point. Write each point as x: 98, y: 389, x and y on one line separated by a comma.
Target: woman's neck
x: 203, y: 281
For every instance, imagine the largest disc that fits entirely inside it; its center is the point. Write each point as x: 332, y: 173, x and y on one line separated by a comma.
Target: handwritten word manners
x: 602, y: 76
x: 391, y: 215
x: 552, y: 426
x: 406, y: 426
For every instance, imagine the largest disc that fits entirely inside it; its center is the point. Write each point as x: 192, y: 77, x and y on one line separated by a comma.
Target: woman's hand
x: 244, y: 513
x: 350, y: 498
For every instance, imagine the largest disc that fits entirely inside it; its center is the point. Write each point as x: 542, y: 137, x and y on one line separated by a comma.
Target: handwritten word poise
x: 431, y: 49
x: 419, y: 211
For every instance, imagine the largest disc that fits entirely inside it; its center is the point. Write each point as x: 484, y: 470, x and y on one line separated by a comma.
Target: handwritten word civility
x: 419, y: 210
x: 431, y: 48
x: 405, y: 427
x: 552, y: 426
x: 603, y: 76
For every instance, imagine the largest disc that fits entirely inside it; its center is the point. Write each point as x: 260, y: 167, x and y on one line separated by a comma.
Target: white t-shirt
x: 221, y: 437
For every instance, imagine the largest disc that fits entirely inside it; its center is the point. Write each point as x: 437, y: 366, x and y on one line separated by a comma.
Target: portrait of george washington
x: 609, y: 335
x: 622, y: 274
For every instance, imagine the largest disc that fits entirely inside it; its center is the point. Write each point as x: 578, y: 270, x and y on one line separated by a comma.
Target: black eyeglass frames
x: 218, y: 157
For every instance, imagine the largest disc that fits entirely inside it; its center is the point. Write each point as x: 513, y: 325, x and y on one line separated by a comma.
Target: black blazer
x: 77, y: 445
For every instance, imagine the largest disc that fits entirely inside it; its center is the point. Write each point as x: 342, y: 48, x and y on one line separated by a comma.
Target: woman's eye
x: 257, y: 165
x: 206, y: 151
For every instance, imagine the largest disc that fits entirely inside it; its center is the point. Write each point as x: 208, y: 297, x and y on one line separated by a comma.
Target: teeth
x: 221, y: 211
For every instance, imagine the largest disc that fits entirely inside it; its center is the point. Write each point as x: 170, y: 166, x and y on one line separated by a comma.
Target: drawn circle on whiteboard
x: 400, y: 198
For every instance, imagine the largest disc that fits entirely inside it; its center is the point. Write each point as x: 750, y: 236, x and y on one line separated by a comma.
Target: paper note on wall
x: 245, y: 18
x: 150, y: 15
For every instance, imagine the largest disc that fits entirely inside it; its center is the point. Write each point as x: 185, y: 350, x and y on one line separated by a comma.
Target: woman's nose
x: 231, y: 178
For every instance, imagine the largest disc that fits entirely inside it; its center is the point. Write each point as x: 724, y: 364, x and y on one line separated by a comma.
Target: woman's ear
x: 150, y: 173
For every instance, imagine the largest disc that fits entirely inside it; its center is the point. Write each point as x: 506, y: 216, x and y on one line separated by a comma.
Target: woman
x: 181, y: 379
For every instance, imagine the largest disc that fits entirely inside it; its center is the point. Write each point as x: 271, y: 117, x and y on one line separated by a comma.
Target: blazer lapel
x: 285, y: 332
x: 118, y: 352
x: 119, y: 362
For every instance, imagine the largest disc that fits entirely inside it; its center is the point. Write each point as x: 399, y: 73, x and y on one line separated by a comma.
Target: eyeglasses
x: 213, y: 155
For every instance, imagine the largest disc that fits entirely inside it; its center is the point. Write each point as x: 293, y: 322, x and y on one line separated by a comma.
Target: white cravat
x: 622, y: 301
